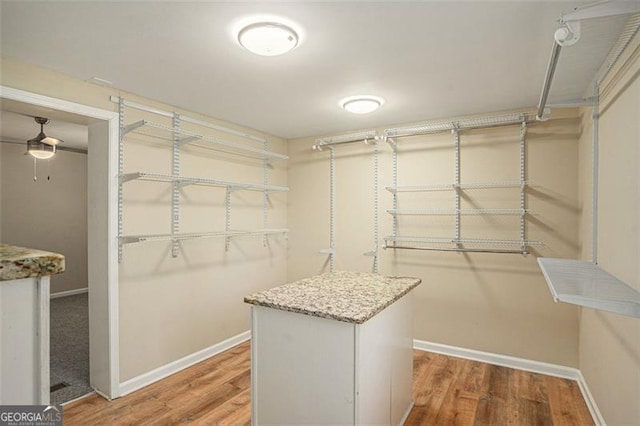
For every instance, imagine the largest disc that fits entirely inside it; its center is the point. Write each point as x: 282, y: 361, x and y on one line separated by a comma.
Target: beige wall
x: 170, y: 308
x: 491, y: 302
x: 47, y: 214
x: 609, y: 349
x: 196, y: 299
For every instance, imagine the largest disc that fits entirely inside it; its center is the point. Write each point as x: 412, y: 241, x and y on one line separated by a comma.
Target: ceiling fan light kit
x: 42, y: 146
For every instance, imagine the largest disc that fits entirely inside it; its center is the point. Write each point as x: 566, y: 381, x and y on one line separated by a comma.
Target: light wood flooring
x: 446, y: 391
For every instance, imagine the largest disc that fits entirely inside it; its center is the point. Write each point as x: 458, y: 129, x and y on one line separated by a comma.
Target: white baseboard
x: 160, y: 373
x: 519, y: 364
x: 83, y: 397
x: 555, y: 370
x: 406, y: 414
x: 590, y: 401
x: 69, y: 293
x: 497, y: 359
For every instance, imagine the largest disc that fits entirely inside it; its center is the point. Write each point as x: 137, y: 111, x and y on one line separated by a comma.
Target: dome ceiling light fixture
x: 268, y: 38
x: 42, y: 146
x: 361, y: 104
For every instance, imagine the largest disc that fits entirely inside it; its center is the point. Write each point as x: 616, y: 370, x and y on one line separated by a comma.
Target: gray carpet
x: 69, y: 348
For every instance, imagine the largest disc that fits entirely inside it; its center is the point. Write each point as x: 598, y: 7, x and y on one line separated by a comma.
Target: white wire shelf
x: 586, y: 284
x: 472, y: 241
x: 465, y: 124
x: 167, y: 133
x: 453, y: 186
x: 129, y: 239
x: 466, y: 245
x: 186, y: 180
x: 446, y: 212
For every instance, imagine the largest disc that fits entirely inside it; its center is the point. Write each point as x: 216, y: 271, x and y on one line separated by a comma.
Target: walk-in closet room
x: 320, y: 213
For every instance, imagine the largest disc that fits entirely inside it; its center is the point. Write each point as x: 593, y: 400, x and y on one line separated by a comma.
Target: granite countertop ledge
x: 21, y: 262
x: 353, y: 297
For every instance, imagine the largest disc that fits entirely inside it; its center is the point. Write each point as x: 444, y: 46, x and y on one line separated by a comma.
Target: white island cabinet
x: 24, y: 323
x: 333, y: 349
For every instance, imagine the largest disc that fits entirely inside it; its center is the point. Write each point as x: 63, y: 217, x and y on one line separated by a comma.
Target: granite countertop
x: 353, y: 297
x: 21, y: 262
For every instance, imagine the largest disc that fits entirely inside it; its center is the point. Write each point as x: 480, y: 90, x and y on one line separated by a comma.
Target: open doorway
x: 101, y: 243
x: 43, y: 204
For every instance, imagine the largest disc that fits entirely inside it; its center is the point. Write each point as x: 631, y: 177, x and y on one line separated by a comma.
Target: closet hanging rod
x: 461, y: 250
x: 344, y: 139
x: 463, y: 124
x: 186, y: 119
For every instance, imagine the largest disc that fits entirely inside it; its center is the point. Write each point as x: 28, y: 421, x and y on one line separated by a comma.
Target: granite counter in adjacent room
x: 353, y: 297
x: 21, y: 262
x: 25, y: 279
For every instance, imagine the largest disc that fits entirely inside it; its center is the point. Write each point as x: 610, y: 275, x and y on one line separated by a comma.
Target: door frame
x: 102, y: 236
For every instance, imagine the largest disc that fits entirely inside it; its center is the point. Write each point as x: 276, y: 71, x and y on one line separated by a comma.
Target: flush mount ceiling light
x: 268, y: 38
x: 361, y: 104
x: 42, y: 146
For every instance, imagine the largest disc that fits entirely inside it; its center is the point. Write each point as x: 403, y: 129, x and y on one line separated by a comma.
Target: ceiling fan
x: 42, y: 146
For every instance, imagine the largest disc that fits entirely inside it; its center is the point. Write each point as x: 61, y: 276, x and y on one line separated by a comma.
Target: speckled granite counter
x: 353, y: 297
x: 20, y: 262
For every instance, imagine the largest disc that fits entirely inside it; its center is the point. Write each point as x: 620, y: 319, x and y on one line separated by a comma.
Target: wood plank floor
x: 446, y: 391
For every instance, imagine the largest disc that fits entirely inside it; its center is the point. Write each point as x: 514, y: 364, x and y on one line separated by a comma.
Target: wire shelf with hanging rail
x: 460, y: 244
x: 463, y: 124
x: 457, y: 243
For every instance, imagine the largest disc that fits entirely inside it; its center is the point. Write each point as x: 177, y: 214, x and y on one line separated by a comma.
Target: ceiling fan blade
x: 51, y: 141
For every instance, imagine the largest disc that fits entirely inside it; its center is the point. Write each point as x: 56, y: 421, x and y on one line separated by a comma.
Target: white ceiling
x: 427, y: 59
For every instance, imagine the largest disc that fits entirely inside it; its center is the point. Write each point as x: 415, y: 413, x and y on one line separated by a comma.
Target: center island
x: 333, y: 349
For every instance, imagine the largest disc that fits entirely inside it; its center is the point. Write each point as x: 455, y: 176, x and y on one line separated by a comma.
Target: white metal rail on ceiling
x: 573, y: 281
